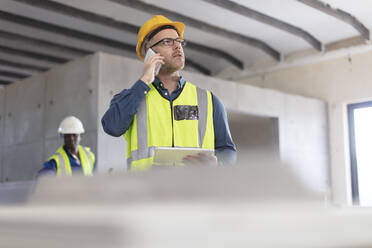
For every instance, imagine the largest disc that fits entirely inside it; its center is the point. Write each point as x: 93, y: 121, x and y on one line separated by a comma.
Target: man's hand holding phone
x: 153, y: 62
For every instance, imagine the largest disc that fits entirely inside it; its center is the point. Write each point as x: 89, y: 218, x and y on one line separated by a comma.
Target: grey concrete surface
x: 256, y: 183
x: 116, y: 73
x: 255, y: 136
x: 2, y: 120
x: 71, y: 89
x: 22, y: 161
x: 15, y: 193
x: 25, y: 111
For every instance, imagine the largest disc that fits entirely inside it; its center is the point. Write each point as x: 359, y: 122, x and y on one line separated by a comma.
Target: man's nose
x: 177, y: 45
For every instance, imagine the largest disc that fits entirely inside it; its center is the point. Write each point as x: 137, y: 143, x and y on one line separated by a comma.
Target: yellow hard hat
x: 152, y: 24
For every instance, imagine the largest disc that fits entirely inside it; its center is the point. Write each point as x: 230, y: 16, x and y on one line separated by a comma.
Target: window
x: 360, y: 138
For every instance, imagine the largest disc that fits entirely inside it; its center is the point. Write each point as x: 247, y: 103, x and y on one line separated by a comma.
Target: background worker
x: 70, y: 158
x: 165, y: 109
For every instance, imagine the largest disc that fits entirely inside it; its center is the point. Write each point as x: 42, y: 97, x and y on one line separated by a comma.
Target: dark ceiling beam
x: 65, y: 31
x: 3, y: 82
x: 198, y: 67
x: 22, y: 66
x: 44, y: 44
x: 12, y: 74
x: 33, y: 55
x: 54, y: 59
x: 39, y: 56
x: 81, y: 14
x: 122, y: 26
x: 201, y: 25
x: 260, y: 17
x: 219, y: 53
x: 339, y: 14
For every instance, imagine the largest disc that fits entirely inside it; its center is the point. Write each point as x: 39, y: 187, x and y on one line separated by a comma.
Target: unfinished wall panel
x: 305, y: 125
x: 256, y: 137
x: 116, y: 74
x: 24, y: 109
x: 338, y: 81
x: 22, y: 161
x: 71, y: 89
x: 2, y: 126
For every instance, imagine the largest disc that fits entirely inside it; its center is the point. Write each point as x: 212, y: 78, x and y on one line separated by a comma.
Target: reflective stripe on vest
x: 142, y: 156
x: 63, y: 162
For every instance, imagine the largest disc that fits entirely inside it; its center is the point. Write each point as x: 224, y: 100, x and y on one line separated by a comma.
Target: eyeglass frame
x: 182, y: 42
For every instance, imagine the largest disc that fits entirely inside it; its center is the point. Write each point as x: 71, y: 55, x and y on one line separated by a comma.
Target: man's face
x: 71, y: 141
x: 174, y: 57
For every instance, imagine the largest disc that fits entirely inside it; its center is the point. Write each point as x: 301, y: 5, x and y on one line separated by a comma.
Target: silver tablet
x: 175, y: 155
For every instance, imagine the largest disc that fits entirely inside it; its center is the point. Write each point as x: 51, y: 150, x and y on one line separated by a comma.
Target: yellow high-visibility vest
x: 87, y: 159
x: 187, y: 122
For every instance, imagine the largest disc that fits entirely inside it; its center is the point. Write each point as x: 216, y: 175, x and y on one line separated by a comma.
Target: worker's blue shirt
x: 50, y: 167
x: 124, y: 105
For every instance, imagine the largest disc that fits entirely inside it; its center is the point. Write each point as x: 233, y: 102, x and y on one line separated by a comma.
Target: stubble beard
x: 173, y: 67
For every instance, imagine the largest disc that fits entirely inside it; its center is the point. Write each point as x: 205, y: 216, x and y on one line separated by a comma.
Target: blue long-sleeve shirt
x: 124, y: 105
x: 50, y: 166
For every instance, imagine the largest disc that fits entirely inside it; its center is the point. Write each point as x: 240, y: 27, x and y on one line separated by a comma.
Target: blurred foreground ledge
x: 256, y: 206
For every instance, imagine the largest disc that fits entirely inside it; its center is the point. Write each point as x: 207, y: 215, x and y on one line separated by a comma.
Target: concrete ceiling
x: 226, y: 38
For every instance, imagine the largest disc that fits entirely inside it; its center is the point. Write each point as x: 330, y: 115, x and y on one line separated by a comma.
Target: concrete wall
x: 302, y: 121
x: 115, y: 74
x: 256, y: 137
x: 23, y: 133
x: 2, y: 120
x: 338, y: 81
x: 33, y: 109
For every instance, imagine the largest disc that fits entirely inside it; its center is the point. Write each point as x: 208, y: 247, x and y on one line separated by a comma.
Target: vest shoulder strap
x: 87, y: 160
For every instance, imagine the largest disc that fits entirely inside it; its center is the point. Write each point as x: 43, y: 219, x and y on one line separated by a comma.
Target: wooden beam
x: 122, y: 26
x: 260, y: 17
x: 202, y: 26
x: 339, y: 14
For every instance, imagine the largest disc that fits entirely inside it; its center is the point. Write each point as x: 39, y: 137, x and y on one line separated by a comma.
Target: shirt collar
x: 68, y: 152
x: 158, y: 83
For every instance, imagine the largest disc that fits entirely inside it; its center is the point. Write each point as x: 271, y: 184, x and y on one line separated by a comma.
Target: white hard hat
x: 71, y: 125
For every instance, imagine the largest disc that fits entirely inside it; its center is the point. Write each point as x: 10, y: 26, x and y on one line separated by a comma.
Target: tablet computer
x: 175, y: 155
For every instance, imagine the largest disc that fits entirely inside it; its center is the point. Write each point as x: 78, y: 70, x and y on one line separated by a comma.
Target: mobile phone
x: 150, y: 53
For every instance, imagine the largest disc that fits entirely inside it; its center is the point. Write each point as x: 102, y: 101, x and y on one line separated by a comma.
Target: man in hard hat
x: 165, y: 110
x: 71, y: 157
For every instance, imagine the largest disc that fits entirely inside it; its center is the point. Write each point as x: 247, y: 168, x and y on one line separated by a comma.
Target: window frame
x: 353, y: 159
